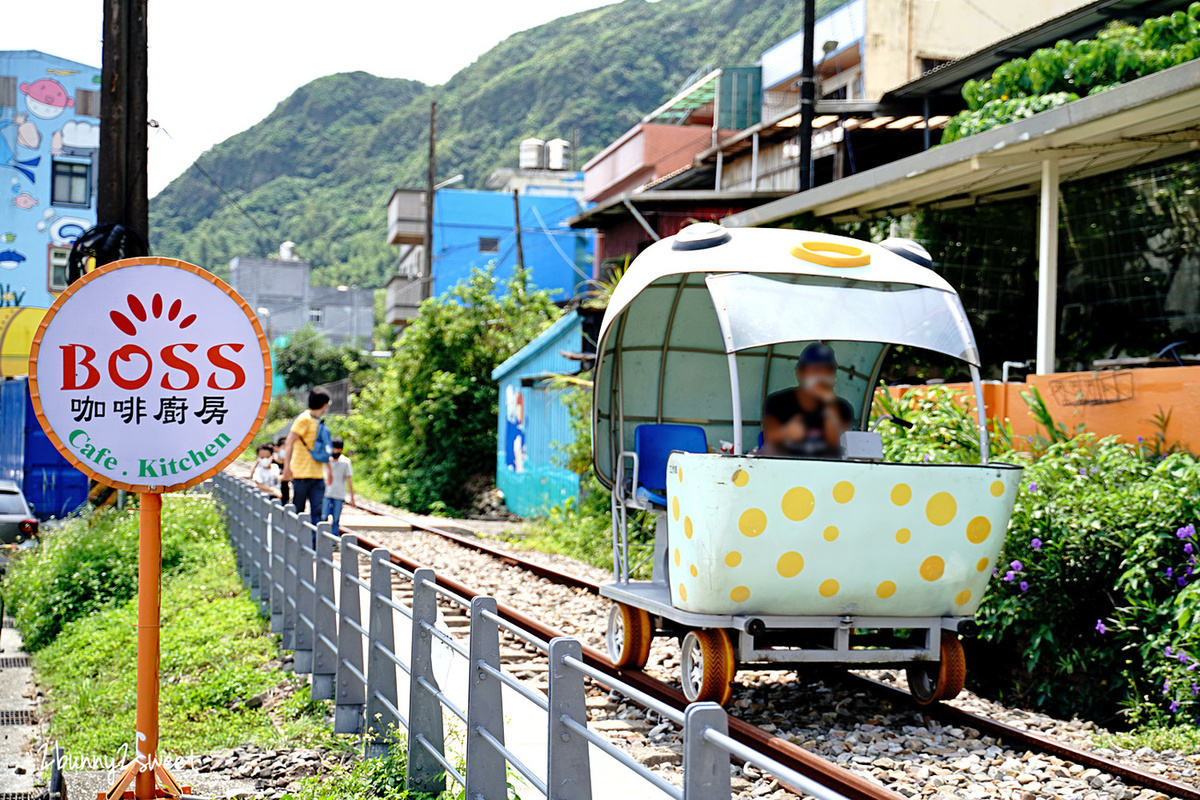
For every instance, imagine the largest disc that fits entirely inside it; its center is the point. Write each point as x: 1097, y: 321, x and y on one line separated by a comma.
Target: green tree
x: 311, y: 359
x: 424, y: 427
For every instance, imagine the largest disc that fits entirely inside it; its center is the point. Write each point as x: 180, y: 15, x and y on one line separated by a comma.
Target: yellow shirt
x: 303, y: 465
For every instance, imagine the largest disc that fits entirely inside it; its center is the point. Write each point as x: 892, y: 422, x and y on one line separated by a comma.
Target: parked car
x: 17, y: 522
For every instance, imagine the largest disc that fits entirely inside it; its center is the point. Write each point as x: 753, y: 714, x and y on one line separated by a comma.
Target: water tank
x: 558, y: 154
x: 533, y: 154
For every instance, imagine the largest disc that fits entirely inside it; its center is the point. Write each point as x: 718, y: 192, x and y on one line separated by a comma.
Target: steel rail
x: 742, y: 731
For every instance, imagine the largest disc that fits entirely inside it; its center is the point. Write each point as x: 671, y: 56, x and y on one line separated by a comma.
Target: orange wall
x: 1128, y: 399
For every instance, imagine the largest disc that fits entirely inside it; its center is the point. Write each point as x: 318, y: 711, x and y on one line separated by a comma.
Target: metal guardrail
x: 288, y: 566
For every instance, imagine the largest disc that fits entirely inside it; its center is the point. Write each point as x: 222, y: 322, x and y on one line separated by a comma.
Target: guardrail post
x: 278, y: 514
x: 254, y: 545
x: 705, y: 765
x: 486, y: 779
x: 289, y: 574
x: 351, y: 690
x: 568, y: 769
x: 382, y: 724
x: 306, y: 599
x: 264, y: 557
x: 245, y: 547
x: 324, y: 618
x: 425, y: 774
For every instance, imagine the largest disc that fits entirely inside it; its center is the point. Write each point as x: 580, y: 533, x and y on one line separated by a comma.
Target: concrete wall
x: 1131, y: 399
x: 902, y: 32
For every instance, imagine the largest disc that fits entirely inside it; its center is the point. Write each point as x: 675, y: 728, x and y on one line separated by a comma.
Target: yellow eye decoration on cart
x: 832, y: 254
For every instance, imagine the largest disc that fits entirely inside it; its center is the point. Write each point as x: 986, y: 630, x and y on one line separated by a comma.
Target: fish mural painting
x: 49, y: 141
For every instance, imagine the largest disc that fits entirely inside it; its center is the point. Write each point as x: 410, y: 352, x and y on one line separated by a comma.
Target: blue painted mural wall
x: 558, y: 257
x: 40, y: 124
x: 535, y: 422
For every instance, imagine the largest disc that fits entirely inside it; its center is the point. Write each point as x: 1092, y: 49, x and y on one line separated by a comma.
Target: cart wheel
x: 629, y: 635
x: 929, y: 683
x: 707, y: 666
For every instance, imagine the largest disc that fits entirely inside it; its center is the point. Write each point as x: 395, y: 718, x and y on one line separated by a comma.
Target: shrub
x: 1091, y: 609
x: 425, y: 425
x: 89, y: 562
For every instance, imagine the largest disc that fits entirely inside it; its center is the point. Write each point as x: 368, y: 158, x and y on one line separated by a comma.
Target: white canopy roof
x: 691, y: 303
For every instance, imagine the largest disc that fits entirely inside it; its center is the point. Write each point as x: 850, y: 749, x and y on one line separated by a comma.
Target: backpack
x: 323, y: 447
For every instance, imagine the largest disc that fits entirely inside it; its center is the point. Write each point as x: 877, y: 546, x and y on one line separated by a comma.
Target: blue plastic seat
x: 654, y: 445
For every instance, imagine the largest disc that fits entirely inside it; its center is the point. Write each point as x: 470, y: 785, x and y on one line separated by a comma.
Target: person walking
x: 305, y: 452
x: 338, y: 481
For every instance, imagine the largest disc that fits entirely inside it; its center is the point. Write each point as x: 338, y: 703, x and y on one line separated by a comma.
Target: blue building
x: 49, y: 138
x: 535, y: 423
x: 474, y: 229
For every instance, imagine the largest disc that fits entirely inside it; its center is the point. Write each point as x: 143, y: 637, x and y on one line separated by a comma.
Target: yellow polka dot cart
x: 778, y: 561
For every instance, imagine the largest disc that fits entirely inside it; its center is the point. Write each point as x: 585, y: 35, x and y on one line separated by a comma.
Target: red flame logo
x: 127, y: 326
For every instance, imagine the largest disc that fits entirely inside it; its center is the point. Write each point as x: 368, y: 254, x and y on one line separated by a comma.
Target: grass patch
x: 1182, y: 738
x: 89, y: 562
x: 215, y: 649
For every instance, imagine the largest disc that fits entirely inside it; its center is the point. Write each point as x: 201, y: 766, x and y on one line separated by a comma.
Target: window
x: 87, y: 103
x: 489, y: 244
x: 56, y: 268
x: 71, y: 183
x: 316, y: 316
x: 8, y: 91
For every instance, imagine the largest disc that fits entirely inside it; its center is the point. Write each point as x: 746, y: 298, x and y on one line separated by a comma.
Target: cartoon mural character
x: 28, y: 135
x: 10, y: 259
x: 10, y: 296
x: 515, y: 451
x: 46, y: 98
x: 76, y: 138
x: 8, y: 238
x: 49, y: 217
x: 9, y: 136
x: 25, y: 201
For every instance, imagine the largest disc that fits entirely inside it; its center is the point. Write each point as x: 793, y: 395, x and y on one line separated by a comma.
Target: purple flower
x: 1033, y: 487
x: 1186, y: 532
x: 1141, y: 438
x: 1017, y: 566
x: 1188, y: 548
x: 1170, y: 572
x: 1024, y: 586
x: 1183, y: 657
x: 1195, y: 689
x: 1166, y: 686
x: 1174, y: 706
x: 1008, y: 576
x: 1035, y: 543
x: 1100, y: 629
x: 1182, y: 581
x: 1095, y: 470
x: 1168, y: 652
x: 1193, y: 665
x: 926, y: 458
x: 1188, y: 572
x: 1083, y: 471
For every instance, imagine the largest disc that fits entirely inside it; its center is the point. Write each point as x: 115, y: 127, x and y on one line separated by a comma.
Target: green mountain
x: 319, y: 168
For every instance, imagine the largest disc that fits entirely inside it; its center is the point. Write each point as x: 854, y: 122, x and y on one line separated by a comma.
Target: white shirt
x: 266, y: 473
x: 339, y: 470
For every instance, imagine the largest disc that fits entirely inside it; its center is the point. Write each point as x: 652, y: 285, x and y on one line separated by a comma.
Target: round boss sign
x: 150, y: 374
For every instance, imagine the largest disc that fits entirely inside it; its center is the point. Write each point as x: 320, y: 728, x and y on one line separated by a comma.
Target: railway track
x: 796, y: 757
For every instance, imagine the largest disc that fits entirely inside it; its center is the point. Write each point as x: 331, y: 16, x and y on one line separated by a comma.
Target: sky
x: 219, y: 66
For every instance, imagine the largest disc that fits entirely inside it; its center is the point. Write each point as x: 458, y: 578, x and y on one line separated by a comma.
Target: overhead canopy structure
x: 1153, y: 118
x: 708, y: 310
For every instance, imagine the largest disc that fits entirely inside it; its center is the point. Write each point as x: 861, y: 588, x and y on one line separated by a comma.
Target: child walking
x: 338, y: 481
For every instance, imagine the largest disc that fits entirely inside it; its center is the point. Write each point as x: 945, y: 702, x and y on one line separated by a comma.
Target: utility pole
x: 430, y: 178
x: 121, y: 194
x: 517, y: 227
x: 808, y: 95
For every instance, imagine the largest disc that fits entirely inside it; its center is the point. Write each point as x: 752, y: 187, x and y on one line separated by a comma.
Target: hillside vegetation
x: 319, y: 168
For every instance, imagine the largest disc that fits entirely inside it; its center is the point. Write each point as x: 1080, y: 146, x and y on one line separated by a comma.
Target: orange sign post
x: 149, y: 375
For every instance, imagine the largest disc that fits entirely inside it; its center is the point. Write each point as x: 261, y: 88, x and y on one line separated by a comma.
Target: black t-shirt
x: 784, y: 407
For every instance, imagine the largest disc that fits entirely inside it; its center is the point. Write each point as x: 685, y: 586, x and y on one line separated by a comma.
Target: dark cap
x: 817, y: 353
